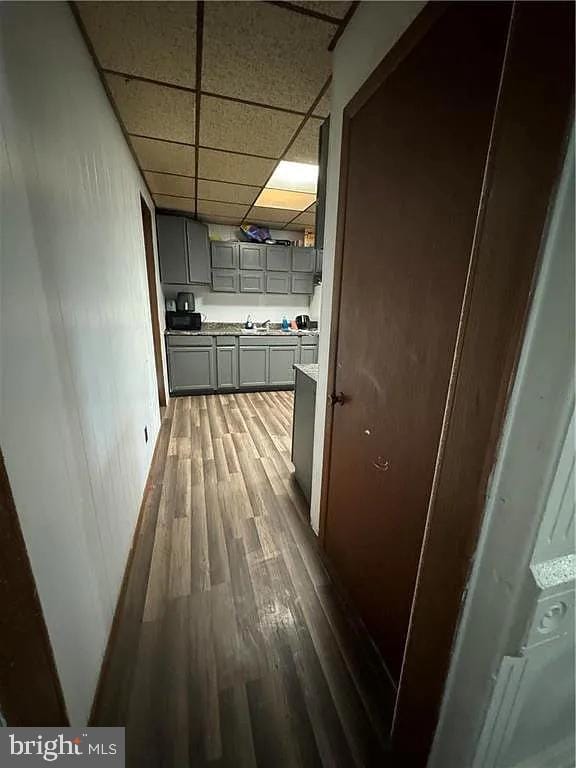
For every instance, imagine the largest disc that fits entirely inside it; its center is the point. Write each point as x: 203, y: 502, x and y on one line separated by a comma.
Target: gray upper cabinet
x: 252, y: 256
x: 303, y: 283
x: 278, y: 258
x: 183, y: 249
x: 224, y: 255
x: 303, y: 259
x: 253, y: 366
x: 251, y: 282
x: 172, y: 249
x: 277, y: 282
x: 198, y: 252
x: 191, y: 368
x: 224, y: 281
x: 227, y: 367
x: 281, y: 365
x: 319, y: 255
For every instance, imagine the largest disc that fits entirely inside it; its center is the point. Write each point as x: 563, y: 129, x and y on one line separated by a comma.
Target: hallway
x: 231, y: 647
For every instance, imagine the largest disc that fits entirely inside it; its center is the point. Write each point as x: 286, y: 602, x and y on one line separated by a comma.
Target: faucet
x: 265, y: 324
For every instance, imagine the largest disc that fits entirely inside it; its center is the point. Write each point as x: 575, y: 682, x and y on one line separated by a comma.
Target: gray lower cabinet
x: 277, y: 282
x: 224, y: 281
x: 303, y: 283
x: 309, y: 355
x: 227, y: 366
x: 281, y: 365
x: 251, y: 282
x: 191, y: 368
x: 253, y: 366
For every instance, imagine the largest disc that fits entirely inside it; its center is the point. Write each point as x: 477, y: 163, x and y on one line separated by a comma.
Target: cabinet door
x: 172, y: 251
x: 227, y: 367
x: 277, y: 282
x: 251, y: 282
x: 278, y: 257
x: 253, y: 366
x: 224, y: 255
x: 309, y: 355
x: 281, y: 366
x: 303, y: 259
x: 252, y: 256
x: 303, y: 284
x: 224, y: 281
x: 191, y: 368
x: 198, y: 252
x: 319, y: 254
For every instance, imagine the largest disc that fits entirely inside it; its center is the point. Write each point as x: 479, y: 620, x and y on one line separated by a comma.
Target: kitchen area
x: 242, y: 317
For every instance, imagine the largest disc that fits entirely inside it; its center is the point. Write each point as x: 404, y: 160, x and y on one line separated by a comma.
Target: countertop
x: 235, y: 329
x: 310, y: 370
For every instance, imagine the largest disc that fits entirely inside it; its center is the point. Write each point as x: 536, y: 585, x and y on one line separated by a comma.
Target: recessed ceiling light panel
x: 285, y: 198
x: 297, y: 177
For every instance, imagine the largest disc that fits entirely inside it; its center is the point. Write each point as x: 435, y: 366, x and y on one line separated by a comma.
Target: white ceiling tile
x: 226, y: 166
x: 150, y: 39
x: 154, y: 110
x: 245, y: 128
x: 259, y: 52
x: 305, y: 148
x: 163, y: 184
x: 156, y: 155
x: 229, y: 193
x: 279, y: 215
x: 231, y: 210
x: 174, y: 203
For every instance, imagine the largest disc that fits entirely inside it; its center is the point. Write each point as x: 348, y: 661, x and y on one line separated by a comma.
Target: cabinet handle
x: 339, y: 398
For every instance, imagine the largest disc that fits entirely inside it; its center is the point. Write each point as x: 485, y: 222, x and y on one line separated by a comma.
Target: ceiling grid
x: 213, y: 95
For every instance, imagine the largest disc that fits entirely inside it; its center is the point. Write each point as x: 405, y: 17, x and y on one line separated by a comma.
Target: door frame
x: 30, y: 690
x: 522, y: 170
x: 148, y: 232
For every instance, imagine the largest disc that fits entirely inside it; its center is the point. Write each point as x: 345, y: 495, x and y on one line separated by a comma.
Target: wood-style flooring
x: 231, y: 647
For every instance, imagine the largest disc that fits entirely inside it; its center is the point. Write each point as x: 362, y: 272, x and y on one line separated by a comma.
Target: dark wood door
x: 415, y: 153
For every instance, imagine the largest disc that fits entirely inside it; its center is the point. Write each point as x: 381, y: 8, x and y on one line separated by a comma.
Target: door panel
x: 416, y: 151
x: 198, y: 252
x: 172, y: 249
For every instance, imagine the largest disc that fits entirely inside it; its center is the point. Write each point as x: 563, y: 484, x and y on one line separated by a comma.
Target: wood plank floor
x: 231, y: 647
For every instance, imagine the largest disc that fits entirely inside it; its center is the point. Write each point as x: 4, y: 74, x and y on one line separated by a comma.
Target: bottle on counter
x: 285, y: 324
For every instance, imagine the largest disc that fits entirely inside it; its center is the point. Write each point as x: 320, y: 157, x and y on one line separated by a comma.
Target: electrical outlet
x: 146, y: 434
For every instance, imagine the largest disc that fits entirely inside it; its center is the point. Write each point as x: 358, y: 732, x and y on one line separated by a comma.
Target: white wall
x: 76, y: 357
x: 371, y: 33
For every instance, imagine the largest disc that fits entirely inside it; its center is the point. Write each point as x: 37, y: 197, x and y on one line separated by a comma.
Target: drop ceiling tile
x: 305, y: 148
x: 220, y: 220
x: 322, y: 109
x: 174, y: 203
x: 334, y: 8
x: 278, y: 215
x: 306, y: 219
x: 245, y: 128
x: 283, y: 198
x: 229, y: 193
x: 162, y: 156
x: 230, y: 210
x: 259, y: 52
x: 154, y: 110
x: 161, y: 184
x: 224, y: 166
x: 151, y: 39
